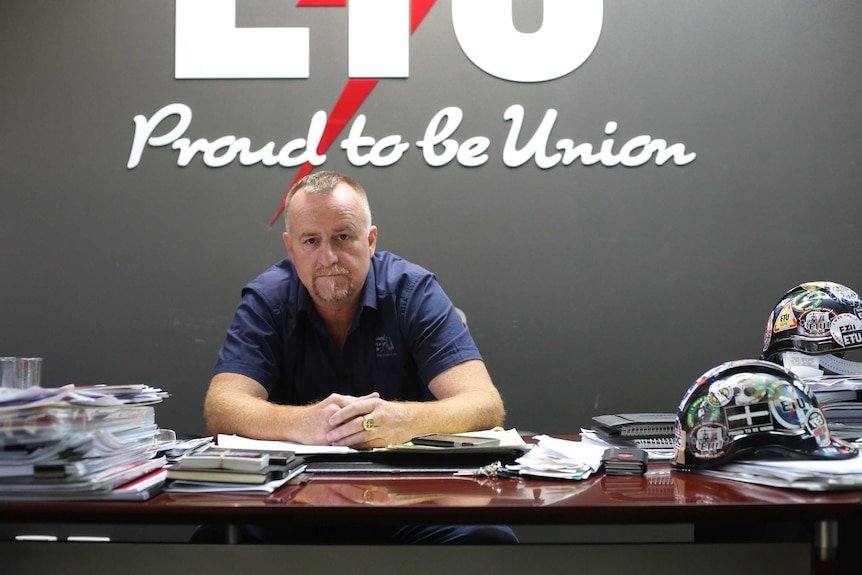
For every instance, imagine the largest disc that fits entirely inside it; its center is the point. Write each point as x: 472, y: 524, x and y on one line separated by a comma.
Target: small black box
x: 622, y: 461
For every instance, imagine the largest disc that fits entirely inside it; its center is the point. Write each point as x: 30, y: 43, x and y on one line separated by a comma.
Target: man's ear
x: 287, y: 244
x: 372, y: 240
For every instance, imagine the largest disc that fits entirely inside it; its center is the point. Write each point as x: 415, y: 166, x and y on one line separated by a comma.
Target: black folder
x: 442, y: 460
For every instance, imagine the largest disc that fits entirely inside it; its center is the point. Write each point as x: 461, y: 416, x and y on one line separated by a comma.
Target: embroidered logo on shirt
x: 384, y: 346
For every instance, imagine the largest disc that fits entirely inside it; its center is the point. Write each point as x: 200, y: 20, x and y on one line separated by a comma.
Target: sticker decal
x: 753, y: 388
x: 786, y: 319
x: 843, y: 294
x: 700, y: 381
x: 722, y: 393
x: 748, y: 418
x: 816, y: 322
x: 814, y: 286
x: 767, y: 334
x: 846, y: 330
x: 791, y: 408
x: 807, y: 300
x: 709, y: 441
x: 816, y: 426
x: 701, y: 410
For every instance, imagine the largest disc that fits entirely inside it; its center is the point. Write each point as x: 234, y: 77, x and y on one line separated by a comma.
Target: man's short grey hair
x: 322, y: 183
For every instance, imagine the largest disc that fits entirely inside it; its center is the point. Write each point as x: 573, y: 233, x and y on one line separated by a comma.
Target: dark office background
x: 589, y: 289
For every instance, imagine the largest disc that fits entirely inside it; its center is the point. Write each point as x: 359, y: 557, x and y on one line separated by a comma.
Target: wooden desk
x: 661, y: 497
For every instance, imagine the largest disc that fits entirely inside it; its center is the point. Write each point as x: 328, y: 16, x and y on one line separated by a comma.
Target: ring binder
x: 641, y: 430
x: 652, y: 442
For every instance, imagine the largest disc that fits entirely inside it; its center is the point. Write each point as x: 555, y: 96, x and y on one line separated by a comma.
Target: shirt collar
x: 369, y: 290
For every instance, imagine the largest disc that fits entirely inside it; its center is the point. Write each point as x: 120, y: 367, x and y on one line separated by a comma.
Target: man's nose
x: 328, y: 254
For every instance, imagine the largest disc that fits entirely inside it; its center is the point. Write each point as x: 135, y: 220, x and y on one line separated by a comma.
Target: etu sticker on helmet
x: 786, y: 319
x: 846, y: 329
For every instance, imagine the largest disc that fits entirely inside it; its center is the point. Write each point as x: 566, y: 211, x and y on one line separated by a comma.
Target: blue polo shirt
x: 405, y: 333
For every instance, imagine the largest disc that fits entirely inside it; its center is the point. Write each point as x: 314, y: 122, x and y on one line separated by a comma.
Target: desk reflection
x: 659, y: 488
x: 661, y: 484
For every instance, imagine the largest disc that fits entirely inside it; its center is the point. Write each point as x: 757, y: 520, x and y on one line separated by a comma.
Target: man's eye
x: 311, y: 241
x: 343, y: 237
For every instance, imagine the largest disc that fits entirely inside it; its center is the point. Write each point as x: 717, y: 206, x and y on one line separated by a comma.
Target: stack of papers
x: 808, y: 474
x: 237, y: 464
x: 65, y: 443
x: 218, y: 487
x: 88, y: 395
x: 129, y: 394
x: 559, y: 459
x: 219, y: 467
x: 840, y: 396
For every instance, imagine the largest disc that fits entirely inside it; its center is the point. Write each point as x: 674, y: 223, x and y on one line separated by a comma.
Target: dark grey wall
x: 589, y: 288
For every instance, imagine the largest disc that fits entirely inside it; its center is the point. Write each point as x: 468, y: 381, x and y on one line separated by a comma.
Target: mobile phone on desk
x: 453, y: 440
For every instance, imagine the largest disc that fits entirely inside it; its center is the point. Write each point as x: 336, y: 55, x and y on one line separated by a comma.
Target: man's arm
x: 236, y: 404
x: 466, y: 401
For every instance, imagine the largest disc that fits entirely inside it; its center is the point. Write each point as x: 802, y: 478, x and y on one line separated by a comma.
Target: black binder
x: 641, y: 430
x: 430, y: 460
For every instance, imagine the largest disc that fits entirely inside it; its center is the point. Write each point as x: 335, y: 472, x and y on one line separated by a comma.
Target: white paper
x: 560, y: 459
x: 852, y: 465
x: 808, y: 474
x: 239, y: 442
x: 575, y: 451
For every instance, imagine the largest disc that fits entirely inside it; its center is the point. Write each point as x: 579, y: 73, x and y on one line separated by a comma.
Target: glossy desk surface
x: 661, y: 496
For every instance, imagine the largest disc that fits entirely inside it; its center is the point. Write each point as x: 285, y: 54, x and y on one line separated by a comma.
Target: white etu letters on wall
x: 209, y: 45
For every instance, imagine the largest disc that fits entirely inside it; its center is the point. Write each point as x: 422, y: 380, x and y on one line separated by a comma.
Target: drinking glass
x: 9, y: 372
x: 29, y: 372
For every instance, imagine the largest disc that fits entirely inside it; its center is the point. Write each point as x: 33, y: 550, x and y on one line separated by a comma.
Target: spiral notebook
x: 642, y: 430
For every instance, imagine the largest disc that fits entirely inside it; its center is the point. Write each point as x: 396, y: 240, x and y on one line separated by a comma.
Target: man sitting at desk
x: 340, y: 345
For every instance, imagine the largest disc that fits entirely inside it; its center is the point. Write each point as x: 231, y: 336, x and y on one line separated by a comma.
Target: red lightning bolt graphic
x: 353, y: 94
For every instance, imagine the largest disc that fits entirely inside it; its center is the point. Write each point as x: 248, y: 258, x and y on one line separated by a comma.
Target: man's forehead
x: 331, y: 218
x: 342, y: 195
x: 310, y: 228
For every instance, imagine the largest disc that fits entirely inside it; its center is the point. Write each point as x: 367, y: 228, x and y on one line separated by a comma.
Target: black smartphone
x: 452, y: 440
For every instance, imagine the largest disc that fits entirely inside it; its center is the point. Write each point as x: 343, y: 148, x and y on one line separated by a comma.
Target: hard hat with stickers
x: 751, y: 409
x: 812, y: 329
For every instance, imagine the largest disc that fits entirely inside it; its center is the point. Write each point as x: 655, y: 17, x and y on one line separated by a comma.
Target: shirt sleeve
x: 253, y: 343
x: 439, y: 339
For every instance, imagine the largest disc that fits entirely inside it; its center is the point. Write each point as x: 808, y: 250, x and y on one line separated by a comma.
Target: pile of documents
x: 559, y: 459
x: 93, y: 442
x: 218, y: 468
x: 807, y: 475
x: 840, y: 396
